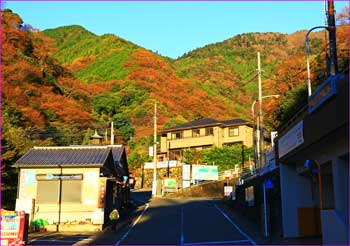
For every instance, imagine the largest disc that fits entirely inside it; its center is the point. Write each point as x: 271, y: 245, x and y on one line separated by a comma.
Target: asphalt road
x: 163, y: 221
x: 183, y: 222
x: 53, y: 238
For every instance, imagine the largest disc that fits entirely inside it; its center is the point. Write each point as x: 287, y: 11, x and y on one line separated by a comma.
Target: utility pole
x: 261, y: 127
x: 332, y: 38
x: 112, y: 134
x: 154, y: 186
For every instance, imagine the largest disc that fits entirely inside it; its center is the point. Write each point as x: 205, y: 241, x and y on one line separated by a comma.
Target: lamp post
x: 307, y: 57
x: 257, y: 150
x: 154, y: 183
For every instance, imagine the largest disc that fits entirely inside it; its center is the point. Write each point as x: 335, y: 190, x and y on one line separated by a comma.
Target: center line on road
x: 182, y: 239
x: 132, y: 226
x: 234, y: 224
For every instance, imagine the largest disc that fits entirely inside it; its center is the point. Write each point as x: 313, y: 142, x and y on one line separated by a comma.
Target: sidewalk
x: 109, y: 235
x: 254, y: 231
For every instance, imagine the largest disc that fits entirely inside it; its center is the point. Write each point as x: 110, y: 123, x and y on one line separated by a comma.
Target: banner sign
x: 161, y: 164
x: 292, y: 139
x: 186, y: 172
x: 50, y: 176
x: 325, y: 91
x: 12, y: 228
x: 205, y: 172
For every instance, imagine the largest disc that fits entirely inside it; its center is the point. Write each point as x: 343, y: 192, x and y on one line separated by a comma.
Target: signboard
x: 26, y: 205
x: 228, y: 190
x: 268, y: 184
x: 50, y: 176
x: 186, y: 172
x: 186, y: 183
x: 161, y: 164
x: 292, y: 139
x: 101, y: 192
x: 325, y: 91
x: 90, y: 187
x: 273, y: 136
x: 27, y: 185
x: 170, y: 183
x: 205, y: 172
x: 12, y: 227
x: 150, y: 150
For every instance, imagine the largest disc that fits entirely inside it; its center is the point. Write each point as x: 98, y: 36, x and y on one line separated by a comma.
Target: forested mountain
x: 59, y: 85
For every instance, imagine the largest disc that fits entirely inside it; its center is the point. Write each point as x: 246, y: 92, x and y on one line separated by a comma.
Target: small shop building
x: 314, y: 166
x: 75, y: 185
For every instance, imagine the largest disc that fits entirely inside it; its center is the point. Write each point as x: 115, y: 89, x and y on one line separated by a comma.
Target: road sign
x: 268, y: 184
x: 12, y: 228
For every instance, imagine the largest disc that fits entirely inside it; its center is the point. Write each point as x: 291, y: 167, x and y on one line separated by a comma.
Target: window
x: 176, y: 135
x: 195, y: 133
x: 47, y: 191
x: 233, y: 131
x: 71, y: 191
x: 209, y: 131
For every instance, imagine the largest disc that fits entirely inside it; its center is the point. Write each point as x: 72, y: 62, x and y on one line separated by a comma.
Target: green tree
x: 15, y: 142
x: 139, y: 152
x: 227, y: 157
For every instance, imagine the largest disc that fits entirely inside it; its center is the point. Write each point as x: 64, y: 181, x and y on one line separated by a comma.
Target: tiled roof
x: 121, y: 166
x: 207, y: 122
x: 234, y: 122
x: 65, y: 156
x: 117, y: 152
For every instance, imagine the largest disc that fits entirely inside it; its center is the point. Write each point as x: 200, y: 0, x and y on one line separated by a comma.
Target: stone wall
x: 213, y: 189
x: 174, y: 172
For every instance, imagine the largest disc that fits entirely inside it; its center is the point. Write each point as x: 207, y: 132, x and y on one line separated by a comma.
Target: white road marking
x: 234, y: 224
x: 132, y: 226
x: 220, y: 242
x: 53, y: 240
x: 182, y: 239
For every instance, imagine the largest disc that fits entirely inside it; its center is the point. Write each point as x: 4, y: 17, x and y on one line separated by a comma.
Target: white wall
x: 336, y: 222
x: 295, y: 193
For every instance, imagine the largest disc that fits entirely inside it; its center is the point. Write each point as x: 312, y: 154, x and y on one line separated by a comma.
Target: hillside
x: 61, y: 84
x: 94, y: 58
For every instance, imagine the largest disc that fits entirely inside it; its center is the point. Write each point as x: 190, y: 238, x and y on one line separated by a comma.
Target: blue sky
x: 175, y: 27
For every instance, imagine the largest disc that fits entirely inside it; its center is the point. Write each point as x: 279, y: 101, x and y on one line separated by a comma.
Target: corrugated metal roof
x: 66, y: 156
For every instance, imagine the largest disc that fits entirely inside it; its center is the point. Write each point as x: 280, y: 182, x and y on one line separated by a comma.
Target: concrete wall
x: 332, y: 225
x: 295, y: 193
x: 209, y: 189
x: 341, y: 188
x: 336, y: 221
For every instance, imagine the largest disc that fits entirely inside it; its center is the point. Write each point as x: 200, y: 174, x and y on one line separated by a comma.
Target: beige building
x: 73, y: 185
x: 204, y: 133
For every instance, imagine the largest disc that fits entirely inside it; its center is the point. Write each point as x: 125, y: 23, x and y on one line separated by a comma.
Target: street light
x: 307, y: 57
x: 257, y: 151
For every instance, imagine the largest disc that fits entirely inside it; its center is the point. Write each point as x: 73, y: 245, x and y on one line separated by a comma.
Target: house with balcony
x: 202, y: 134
